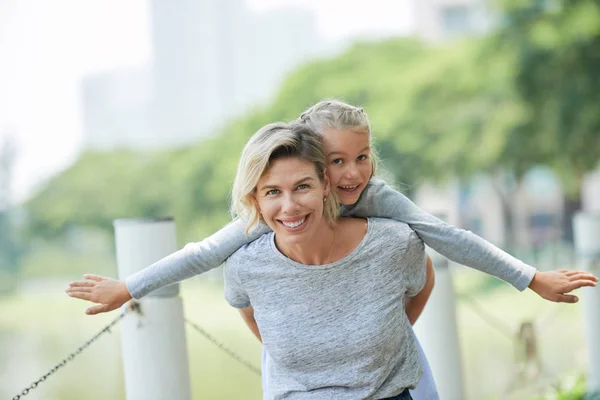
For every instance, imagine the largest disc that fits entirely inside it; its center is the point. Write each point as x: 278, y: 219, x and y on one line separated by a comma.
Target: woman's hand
x: 554, y: 285
x: 110, y: 294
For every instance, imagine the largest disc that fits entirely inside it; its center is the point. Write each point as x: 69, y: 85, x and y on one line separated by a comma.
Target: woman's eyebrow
x: 272, y: 186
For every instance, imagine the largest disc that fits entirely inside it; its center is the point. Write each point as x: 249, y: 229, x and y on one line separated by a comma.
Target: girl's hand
x: 554, y: 285
x: 110, y: 294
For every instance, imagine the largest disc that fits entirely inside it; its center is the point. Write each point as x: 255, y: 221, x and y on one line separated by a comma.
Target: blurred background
x: 485, y: 112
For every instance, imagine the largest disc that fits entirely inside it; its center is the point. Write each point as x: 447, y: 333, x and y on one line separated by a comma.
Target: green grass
x: 37, y: 330
x: 41, y: 327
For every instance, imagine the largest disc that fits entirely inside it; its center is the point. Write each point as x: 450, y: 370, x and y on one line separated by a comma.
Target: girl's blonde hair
x: 335, y: 114
x: 272, y: 142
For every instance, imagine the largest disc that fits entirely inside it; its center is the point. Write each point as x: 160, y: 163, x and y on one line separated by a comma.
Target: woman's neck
x: 316, y: 250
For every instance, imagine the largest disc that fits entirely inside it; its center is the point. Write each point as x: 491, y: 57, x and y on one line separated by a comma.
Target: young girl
x: 346, y: 136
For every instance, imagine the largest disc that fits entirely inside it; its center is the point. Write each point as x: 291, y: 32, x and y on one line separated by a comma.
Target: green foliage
x: 525, y: 96
x: 557, y: 59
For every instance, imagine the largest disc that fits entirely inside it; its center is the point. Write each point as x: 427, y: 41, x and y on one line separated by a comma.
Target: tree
x: 9, y: 252
x: 556, y: 48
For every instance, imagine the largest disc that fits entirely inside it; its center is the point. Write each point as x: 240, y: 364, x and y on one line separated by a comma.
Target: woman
x: 326, y: 294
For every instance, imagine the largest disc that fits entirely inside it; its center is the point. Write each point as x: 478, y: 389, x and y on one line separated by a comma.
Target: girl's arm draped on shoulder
x: 193, y: 259
x: 459, y: 245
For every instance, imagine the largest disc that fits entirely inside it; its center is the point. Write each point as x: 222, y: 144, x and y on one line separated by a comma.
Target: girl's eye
x: 337, y: 161
x: 362, y: 157
x: 303, y: 186
x: 272, y: 192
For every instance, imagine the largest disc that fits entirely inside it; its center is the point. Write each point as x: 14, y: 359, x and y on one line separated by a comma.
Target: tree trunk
x: 571, y: 207
x: 508, y: 214
x: 572, y: 203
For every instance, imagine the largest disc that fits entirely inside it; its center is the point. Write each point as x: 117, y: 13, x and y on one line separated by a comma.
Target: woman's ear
x: 255, y: 202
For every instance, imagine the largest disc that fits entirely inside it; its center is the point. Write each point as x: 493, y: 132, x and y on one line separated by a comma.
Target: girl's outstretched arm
x: 464, y: 247
x: 193, y: 259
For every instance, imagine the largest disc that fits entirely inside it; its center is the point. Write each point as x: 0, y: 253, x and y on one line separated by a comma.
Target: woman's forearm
x: 415, y: 305
x: 248, y: 316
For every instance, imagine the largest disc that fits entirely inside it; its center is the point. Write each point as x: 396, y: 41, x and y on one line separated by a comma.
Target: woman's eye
x: 362, y: 157
x: 303, y: 186
x: 337, y: 161
x: 272, y: 192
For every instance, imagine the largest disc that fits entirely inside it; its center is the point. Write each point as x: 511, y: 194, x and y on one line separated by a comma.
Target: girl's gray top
x: 377, y: 200
x: 334, y: 331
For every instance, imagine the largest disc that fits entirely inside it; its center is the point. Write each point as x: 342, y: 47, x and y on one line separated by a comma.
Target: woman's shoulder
x: 391, y: 229
x: 257, y: 248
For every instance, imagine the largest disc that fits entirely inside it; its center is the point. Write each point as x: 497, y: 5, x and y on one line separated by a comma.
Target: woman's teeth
x: 294, y: 224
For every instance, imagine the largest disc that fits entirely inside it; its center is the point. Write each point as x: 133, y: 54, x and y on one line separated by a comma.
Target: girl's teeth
x: 294, y: 224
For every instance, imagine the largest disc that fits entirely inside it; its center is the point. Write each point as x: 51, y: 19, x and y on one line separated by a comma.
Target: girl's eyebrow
x: 343, y: 153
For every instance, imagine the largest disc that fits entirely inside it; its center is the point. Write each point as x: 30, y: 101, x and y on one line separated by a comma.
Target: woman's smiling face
x: 349, y: 165
x: 289, y: 196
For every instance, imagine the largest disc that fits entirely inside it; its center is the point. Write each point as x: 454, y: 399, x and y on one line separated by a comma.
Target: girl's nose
x: 351, y: 171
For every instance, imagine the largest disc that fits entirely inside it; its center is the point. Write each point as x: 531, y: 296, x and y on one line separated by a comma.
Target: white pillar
x: 153, y: 341
x: 586, y: 230
x: 437, y: 332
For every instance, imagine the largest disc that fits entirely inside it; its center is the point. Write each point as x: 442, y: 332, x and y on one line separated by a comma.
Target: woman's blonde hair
x: 272, y: 142
x: 335, y: 114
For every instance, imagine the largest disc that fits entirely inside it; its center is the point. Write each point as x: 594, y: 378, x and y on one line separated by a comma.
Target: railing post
x: 437, y: 332
x: 153, y: 341
x: 586, y: 230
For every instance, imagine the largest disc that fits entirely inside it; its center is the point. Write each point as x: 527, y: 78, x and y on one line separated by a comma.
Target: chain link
x: 132, y: 307
x: 214, y: 341
x: 488, y: 318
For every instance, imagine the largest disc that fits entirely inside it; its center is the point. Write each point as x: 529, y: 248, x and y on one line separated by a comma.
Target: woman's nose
x: 289, y: 203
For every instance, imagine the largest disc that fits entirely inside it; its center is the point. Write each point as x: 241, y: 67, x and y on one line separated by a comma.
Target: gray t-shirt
x: 334, y: 331
x: 377, y: 200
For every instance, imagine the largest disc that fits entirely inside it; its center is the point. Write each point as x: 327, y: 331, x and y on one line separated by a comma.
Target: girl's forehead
x: 344, y: 138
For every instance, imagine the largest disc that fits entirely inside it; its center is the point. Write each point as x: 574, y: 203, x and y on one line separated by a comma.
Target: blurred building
x: 437, y: 20
x: 212, y: 60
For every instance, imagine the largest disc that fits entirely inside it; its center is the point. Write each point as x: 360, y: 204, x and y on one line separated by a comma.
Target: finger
x: 94, y: 277
x: 571, y: 274
x: 578, y: 284
x: 566, y: 298
x: 97, y: 309
x: 582, y: 275
x: 80, y: 295
x: 80, y: 284
x: 80, y: 289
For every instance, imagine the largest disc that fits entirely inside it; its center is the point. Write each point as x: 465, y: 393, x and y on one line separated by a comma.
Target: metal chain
x: 223, y: 347
x: 488, y: 318
x: 132, y: 307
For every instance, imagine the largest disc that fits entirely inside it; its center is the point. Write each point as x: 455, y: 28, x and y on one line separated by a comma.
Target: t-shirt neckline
x: 343, y: 260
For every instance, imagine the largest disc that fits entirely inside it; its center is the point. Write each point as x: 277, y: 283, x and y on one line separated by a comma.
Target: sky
x: 47, y: 47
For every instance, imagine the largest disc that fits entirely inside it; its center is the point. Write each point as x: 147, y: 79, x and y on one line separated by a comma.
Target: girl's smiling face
x: 349, y: 165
